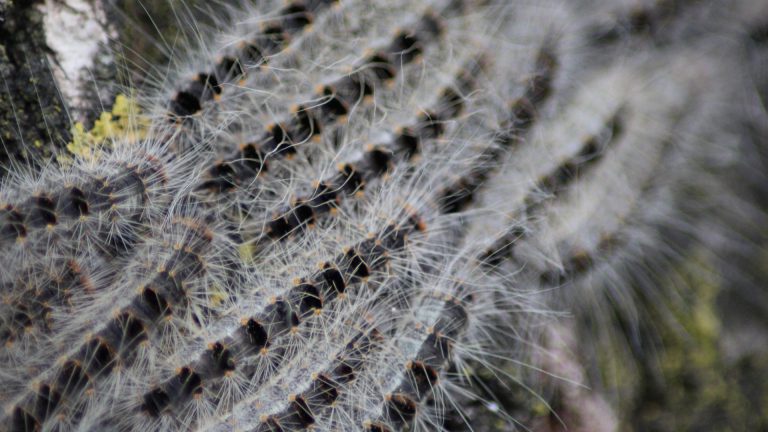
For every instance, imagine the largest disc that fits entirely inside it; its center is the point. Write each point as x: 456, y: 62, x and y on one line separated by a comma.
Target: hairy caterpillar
x: 341, y: 209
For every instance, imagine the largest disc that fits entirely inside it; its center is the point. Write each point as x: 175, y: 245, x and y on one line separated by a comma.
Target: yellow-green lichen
x: 694, y: 388
x: 216, y: 296
x: 123, y: 123
x: 246, y: 251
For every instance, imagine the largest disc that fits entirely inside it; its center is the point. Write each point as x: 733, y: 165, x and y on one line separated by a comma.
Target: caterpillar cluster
x: 339, y: 210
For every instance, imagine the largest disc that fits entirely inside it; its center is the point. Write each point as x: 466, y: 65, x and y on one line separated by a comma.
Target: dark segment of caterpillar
x: 376, y: 160
x: 579, y: 262
x: 640, y: 20
x: 105, y: 207
x: 422, y: 372
x: 309, y: 119
x: 305, y: 409
x: 34, y: 300
x: 554, y: 182
x: 523, y: 114
x: 592, y: 151
x: 206, y: 86
x: 261, y: 333
x: 167, y: 291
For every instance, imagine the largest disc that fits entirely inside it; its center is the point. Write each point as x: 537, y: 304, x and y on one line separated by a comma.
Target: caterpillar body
x: 339, y: 211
